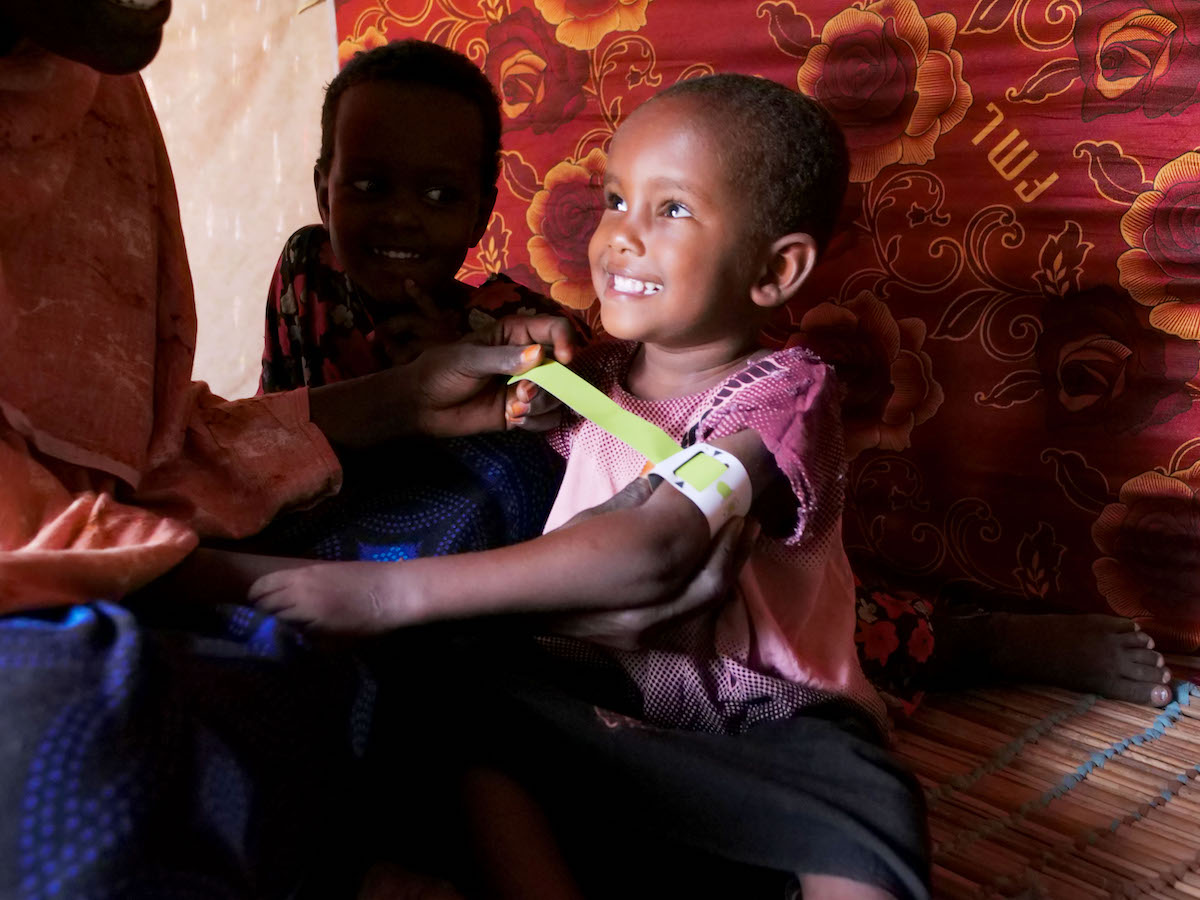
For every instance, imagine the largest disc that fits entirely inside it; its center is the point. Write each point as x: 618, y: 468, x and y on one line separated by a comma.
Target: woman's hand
x: 460, y: 391
x: 628, y: 629
x: 447, y: 391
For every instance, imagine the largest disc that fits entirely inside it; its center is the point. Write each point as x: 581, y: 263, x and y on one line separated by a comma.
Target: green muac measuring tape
x: 712, y: 478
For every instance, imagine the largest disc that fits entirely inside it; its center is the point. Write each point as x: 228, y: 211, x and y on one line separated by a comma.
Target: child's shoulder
x: 785, y: 382
x: 309, y: 247
x: 796, y: 369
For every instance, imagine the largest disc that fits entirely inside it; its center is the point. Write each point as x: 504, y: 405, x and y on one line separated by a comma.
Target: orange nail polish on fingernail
x: 531, y: 353
x: 517, y: 408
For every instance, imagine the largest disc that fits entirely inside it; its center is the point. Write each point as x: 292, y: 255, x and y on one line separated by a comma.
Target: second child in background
x: 405, y: 184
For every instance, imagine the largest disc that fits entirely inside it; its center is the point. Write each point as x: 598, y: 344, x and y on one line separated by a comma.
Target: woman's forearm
x: 364, y: 411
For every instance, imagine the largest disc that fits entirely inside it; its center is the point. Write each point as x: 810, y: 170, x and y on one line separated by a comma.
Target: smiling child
x: 719, y: 195
x: 405, y: 184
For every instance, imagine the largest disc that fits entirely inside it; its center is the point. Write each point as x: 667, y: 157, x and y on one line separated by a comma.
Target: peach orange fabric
x: 111, y: 458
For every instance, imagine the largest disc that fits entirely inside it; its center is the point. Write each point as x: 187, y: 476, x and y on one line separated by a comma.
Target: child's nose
x: 624, y: 236
x: 403, y: 213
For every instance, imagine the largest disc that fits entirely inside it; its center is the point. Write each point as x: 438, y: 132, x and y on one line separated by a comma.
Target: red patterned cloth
x: 1014, y: 301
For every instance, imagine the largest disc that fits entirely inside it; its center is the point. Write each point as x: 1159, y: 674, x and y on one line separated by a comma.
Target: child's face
x: 670, y: 258
x: 403, y: 198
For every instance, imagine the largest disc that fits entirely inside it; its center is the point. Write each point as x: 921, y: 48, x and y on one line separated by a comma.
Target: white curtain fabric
x: 238, y: 86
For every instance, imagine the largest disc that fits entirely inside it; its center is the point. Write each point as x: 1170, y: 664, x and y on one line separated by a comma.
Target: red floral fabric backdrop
x: 1014, y: 300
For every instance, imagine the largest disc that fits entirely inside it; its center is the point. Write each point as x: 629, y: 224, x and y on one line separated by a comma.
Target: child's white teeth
x: 395, y: 254
x: 626, y: 285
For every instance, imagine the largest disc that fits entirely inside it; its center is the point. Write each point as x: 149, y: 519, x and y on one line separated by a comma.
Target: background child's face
x: 669, y: 258
x: 403, y: 198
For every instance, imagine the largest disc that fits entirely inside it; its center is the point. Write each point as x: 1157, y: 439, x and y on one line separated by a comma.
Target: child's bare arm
x: 621, y: 559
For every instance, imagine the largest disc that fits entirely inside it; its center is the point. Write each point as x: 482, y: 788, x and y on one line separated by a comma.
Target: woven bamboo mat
x: 1038, y: 792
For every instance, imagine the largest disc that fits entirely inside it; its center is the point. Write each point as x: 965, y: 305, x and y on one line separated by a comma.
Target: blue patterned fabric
x: 169, y: 754
x: 420, y: 498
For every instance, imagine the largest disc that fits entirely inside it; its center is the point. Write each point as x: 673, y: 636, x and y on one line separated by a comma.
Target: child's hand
x: 355, y: 598
x: 528, y: 407
x: 407, y: 333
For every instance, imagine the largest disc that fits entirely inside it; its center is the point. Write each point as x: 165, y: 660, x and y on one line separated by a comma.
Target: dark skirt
x: 644, y: 811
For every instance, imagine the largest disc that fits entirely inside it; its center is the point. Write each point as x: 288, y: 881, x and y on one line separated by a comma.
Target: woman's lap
x: 178, y: 753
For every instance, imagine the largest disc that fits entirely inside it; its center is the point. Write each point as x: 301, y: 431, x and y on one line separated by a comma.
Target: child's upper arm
x: 791, y: 403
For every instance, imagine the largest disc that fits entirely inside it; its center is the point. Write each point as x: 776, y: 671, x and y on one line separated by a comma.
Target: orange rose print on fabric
x: 891, y: 79
x: 1139, y: 54
x: 582, y: 24
x: 1162, y: 228
x: 539, y: 80
x: 1103, y: 368
x: 1151, y: 542
x: 888, y: 378
x: 368, y: 40
x: 562, y: 217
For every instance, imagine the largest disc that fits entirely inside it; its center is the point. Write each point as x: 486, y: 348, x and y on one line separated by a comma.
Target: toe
x: 1148, y: 674
x: 1109, y: 624
x: 1143, y: 657
x: 1142, y: 692
x: 1135, y: 639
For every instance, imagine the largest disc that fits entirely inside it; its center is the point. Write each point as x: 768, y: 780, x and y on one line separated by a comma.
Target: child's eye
x: 441, y: 195
x: 612, y: 201
x: 366, y: 185
x: 677, y: 211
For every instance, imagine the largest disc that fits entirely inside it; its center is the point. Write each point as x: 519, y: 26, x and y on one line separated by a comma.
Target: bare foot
x: 1096, y: 654
x: 386, y: 881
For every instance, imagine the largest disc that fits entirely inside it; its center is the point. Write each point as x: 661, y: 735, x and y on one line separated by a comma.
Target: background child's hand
x: 420, y: 326
x: 356, y: 598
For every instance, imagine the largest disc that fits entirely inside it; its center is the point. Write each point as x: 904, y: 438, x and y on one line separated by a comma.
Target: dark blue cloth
x: 181, y: 753
x: 152, y: 750
x: 422, y: 497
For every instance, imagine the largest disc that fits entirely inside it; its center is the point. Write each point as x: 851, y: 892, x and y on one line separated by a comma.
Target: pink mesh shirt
x: 786, y: 639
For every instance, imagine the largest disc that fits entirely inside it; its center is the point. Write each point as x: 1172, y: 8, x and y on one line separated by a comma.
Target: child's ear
x: 321, y: 185
x: 487, y: 202
x: 790, y: 260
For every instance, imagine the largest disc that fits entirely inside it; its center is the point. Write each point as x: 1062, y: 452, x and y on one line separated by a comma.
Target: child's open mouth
x: 623, y: 284
x: 395, y: 254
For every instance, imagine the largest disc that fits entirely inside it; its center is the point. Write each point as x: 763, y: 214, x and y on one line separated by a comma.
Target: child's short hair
x: 782, y: 148
x: 418, y: 62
